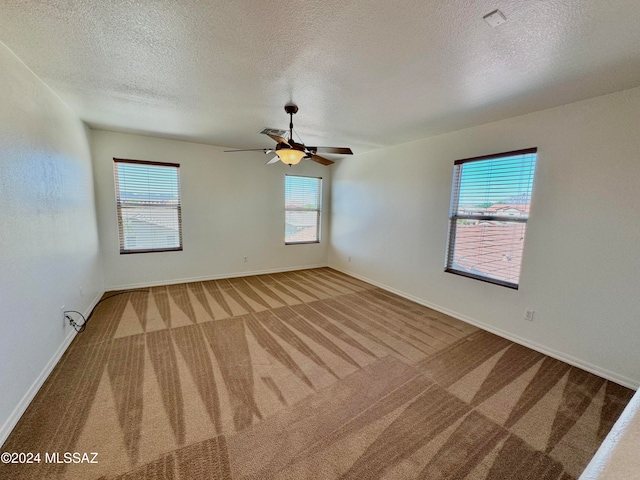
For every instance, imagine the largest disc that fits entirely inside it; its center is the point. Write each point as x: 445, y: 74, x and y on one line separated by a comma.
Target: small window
x: 302, y: 203
x: 148, y: 204
x: 490, y: 203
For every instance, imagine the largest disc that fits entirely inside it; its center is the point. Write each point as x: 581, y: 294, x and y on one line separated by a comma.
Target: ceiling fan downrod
x: 291, y: 109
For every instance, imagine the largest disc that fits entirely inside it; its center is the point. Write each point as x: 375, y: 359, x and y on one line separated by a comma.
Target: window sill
x: 513, y: 286
x: 128, y: 252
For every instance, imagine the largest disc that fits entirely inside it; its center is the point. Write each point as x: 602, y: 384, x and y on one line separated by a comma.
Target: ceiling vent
x: 274, y: 131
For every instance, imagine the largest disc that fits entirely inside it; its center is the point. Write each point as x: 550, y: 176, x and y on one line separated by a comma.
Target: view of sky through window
x: 490, y: 207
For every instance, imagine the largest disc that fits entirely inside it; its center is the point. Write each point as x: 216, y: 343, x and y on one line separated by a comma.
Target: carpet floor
x: 305, y: 375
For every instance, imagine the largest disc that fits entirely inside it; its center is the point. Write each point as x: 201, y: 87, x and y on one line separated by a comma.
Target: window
x: 148, y: 204
x: 302, y: 204
x: 490, y: 202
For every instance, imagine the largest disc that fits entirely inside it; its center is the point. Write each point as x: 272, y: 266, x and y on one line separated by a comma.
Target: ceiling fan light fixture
x: 290, y: 156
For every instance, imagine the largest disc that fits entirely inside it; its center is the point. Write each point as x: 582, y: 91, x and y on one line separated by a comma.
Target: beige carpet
x: 306, y: 375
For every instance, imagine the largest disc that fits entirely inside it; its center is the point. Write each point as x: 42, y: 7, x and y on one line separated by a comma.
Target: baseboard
x: 173, y: 281
x: 33, y: 390
x: 571, y: 360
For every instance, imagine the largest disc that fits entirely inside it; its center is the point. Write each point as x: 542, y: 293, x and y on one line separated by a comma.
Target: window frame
x: 318, y: 210
x: 120, y: 204
x: 454, y: 216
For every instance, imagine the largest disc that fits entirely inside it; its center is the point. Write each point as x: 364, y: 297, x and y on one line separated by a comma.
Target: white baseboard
x: 28, y: 397
x: 174, y: 281
x: 564, y: 357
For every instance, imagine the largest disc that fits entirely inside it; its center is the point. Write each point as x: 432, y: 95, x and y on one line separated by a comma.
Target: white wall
x: 48, y: 241
x: 581, y: 266
x: 232, y: 207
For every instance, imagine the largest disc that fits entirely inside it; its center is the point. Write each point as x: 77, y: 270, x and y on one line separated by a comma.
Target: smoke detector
x: 495, y: 18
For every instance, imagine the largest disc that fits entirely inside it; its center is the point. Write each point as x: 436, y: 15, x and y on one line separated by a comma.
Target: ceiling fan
x: 291, y: 152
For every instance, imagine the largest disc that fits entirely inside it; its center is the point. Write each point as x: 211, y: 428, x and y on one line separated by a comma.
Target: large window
x: 302, y: 204
x: 490, y: 202
x: 148, y: 203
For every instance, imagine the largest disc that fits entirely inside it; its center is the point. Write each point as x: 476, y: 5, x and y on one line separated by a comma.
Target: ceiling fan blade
x: 322, y: 160
x: 336, y: 150
x: 265, y: 150
x: 278, y: 139
x: 275, y: 159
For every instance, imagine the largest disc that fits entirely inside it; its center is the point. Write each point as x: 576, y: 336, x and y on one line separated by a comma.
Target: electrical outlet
x: 81, y: 292
x: 528, y: 315
x: 63, y: 309
x: 245, y: 259
x: 349, y: 259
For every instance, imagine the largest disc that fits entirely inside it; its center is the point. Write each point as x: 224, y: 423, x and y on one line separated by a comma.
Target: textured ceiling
x: 364, y: 74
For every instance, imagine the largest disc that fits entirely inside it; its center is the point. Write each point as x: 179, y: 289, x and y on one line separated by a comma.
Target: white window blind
x: 303, y: 205
x: 148, y: 205
x: 490, y: 204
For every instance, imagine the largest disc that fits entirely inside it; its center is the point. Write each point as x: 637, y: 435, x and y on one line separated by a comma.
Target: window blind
x: 148, y: 205
x: 303, y: 205
x: 490, y: 205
